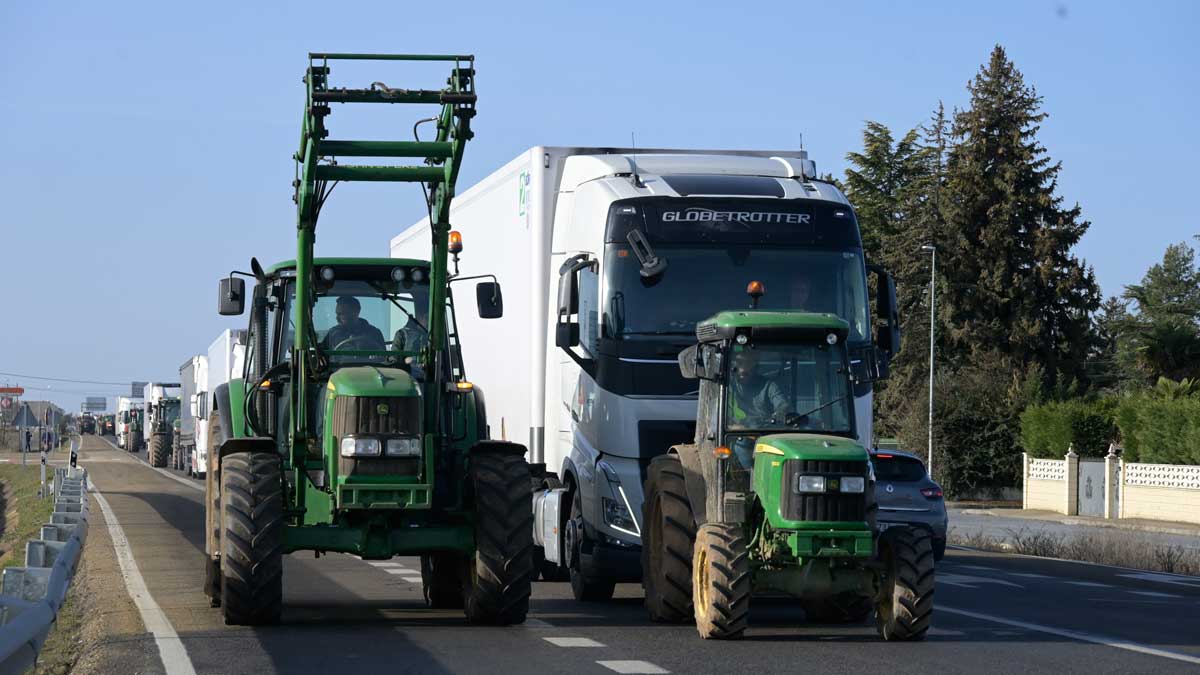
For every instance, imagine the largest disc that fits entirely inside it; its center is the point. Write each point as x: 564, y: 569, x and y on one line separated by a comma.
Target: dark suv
x: 908, y: 496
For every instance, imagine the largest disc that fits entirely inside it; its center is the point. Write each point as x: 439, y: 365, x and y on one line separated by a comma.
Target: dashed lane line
x: 384, y: 563
x: 1077, y: 635
x: 572, y: 642
x: 1156, y: 594
x: 171, y: 651
x: 1088, y: 584
x: 633, y: 667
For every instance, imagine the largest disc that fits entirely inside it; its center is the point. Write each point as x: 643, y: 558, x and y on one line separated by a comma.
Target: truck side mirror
x: 887, y: 333
x: 231, y: 300
x: 489, y: 300
x: 566, y: 331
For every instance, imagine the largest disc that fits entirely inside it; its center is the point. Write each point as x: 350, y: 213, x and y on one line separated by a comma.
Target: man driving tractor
x: 352, y: 332
x: 754, y: 400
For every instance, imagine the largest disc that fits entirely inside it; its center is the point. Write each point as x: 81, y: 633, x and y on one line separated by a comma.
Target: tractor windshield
x: 170, y: 412
x: 775, y: 388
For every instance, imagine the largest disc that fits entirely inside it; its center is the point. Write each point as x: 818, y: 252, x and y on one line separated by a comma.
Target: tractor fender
x: 221, y: 402
x: 693, y: 480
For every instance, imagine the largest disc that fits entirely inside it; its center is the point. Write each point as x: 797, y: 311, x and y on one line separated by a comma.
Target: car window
x: 892, y: 468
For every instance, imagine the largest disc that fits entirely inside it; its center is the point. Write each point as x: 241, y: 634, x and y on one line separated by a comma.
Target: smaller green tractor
x: 776, y: 495
x: 162, y: 419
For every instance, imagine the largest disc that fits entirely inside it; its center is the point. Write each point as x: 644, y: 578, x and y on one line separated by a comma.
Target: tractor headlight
x: 810, y: 484
x: 360, y: 447
x: 403, y: 447
x: 856, y: 484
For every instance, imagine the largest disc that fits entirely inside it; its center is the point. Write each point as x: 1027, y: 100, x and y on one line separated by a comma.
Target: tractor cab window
x: 778, y: 388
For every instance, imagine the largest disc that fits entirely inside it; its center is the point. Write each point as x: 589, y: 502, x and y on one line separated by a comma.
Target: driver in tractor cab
x: 352, y: 331
x: 754, y: 401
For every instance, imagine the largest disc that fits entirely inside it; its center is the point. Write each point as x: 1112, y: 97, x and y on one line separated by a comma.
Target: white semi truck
x: 609, y: 257
x: 193, y: 378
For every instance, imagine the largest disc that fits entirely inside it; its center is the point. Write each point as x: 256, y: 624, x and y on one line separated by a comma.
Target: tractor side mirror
x: 231, y: 300
x: 489, y: 299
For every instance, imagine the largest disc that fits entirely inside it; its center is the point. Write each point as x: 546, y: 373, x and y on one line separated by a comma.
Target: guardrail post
x: 1072, y: 482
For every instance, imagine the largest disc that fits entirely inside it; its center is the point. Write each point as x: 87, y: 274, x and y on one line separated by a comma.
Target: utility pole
x: 932, y: 285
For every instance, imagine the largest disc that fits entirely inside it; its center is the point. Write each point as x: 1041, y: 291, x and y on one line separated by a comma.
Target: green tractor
x: 776, y: 495
x: 353, y: 428
x: 162, y: 420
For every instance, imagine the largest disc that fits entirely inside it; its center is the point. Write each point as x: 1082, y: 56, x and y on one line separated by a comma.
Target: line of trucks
x: 680, y: 384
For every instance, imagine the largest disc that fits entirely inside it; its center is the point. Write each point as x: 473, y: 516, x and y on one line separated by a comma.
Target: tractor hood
x: 372, y: 381
x: 811, y: 446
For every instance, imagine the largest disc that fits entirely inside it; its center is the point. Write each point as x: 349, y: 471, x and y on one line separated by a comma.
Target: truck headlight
x: 360, y: 447
x: 618, y: 517
x: 856, y: 484
x: 810, y: 484
x: 403, y: 447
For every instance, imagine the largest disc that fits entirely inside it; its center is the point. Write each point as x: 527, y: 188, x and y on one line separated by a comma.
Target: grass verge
x: 1107, y: 547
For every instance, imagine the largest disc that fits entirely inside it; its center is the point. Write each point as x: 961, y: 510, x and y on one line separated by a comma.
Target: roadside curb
x: 31, y: 596
x: 1086, y: 522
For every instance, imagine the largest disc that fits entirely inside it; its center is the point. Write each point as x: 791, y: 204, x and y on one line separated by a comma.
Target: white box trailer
x: 562, y: 219
x: 193, y: 379
x: 225, y: 361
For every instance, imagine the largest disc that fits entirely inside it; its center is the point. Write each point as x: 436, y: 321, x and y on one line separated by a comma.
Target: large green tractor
x: 353, y: 428
x: 162, y: 418
x: 776, y: 495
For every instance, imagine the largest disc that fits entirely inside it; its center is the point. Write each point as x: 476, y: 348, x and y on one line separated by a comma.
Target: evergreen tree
x: 1012, y: 283
x: 1165, y: 331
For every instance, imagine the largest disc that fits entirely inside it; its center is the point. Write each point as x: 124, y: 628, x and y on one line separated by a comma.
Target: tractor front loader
x: 775, y: 494
x: 353, y: 428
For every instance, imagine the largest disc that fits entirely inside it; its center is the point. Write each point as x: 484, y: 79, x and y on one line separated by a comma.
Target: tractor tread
x: 726, y: 614
x: 496, y: 588
x: 668, y: 589
x: 906, y: 612
x: 251, y: 538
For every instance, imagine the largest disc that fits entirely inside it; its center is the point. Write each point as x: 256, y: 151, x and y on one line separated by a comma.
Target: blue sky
x: 147, y: 146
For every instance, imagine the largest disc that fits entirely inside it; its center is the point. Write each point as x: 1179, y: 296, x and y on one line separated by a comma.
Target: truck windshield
x: 789, y: 387
x: 701, y: 281
x: 170, y: 411
x: 808, y: 255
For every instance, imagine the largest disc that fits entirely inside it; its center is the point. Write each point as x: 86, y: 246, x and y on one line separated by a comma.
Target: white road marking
x: 979, y: 568
x: 968, y: 581
x: 572, y: 642
x: 1088, y: 584
x: 1163, y: 578
x: 397, y: 570
x: 946, y: 633
x: 1156, y: 594
x: 1029, y: 575
x: 413, y: 580
x: 377, y: 563
x: 170, y: 649
x: 633, y: 667
x: 1076, y: 635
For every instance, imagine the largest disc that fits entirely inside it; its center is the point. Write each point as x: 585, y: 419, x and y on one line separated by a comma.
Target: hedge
x: 1089, y: 425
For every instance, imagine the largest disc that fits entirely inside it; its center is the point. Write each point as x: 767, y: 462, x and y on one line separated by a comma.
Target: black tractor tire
x: 441, y: 580
x: 251, y: 538
x: 847, y: 608
x: 904, y: 608
x: 159, y: 448
x: 669, y: 527
x: 583, y: 587
x: 721, y: 581
x: 496, y: 586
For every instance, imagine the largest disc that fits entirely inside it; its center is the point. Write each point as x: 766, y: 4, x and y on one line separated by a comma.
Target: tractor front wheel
x: 670, y: 534
x: 251, y: 538
x: 721, y: 581
x: 904, y: 608
x: 158, y: 451
x: 496, y: 586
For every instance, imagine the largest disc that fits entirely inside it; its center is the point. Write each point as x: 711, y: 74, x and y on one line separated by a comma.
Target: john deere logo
x: 382, y: 409
x: 833, y: 484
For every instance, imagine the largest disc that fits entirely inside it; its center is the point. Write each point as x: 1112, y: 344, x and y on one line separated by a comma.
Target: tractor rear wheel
x: 670, y: 534
x: 251, y: 538
x: 441, y: 580
x: 158, y: 451
x: 721, y: 581
x: 904, y: 608
x: 497, y: 583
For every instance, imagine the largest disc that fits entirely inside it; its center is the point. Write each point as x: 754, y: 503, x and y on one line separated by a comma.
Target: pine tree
x: 1012, y: 283
x: 1165, y: 331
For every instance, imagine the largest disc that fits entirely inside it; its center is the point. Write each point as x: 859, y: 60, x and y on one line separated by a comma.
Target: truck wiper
x: 800, y: 418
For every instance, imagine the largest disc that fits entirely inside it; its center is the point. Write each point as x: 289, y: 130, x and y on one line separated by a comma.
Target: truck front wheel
x: 721, y: 581
x: 667, y: 548
x: 585, y: 588
x: 251, y: 538
x: 904, y: 608
x: 496, y: 587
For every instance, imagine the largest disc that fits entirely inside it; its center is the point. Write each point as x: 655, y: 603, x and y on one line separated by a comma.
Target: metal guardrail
x: 31, y: 596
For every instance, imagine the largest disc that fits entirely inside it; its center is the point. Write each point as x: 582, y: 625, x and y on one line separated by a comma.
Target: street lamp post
x: 932, y: 282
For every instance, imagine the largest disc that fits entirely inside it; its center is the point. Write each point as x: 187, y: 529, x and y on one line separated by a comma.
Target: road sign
x: 6, y: 403
x: 12, y: 391
x: 95, y: 404
x: 137, y: 389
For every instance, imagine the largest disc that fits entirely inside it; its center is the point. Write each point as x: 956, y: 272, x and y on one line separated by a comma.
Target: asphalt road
x: 996, y: 613
x: 995, y: 525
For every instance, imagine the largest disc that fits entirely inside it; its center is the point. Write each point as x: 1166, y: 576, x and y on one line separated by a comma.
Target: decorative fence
x: 1118, y: 489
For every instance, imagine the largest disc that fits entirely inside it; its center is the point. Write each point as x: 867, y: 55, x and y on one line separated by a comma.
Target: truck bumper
x: 620, y: 563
